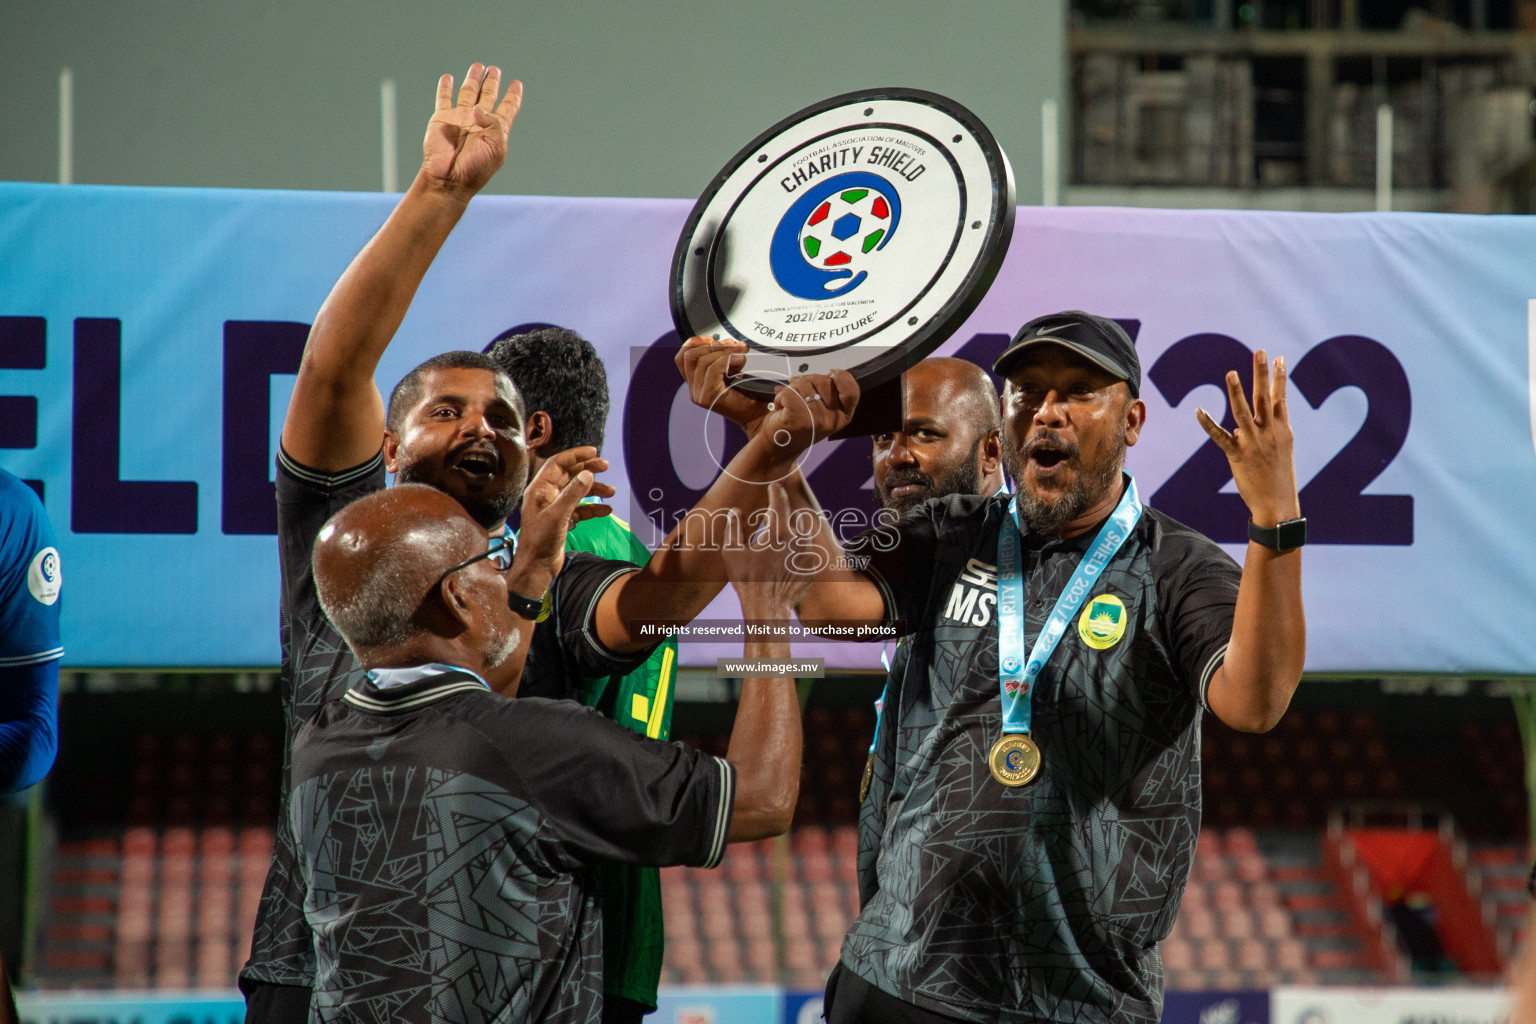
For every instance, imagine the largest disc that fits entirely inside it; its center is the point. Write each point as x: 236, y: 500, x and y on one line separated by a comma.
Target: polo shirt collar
x: 395, y: 689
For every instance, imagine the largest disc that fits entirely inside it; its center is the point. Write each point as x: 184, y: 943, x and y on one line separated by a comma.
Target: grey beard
x: 1050, y: 516
x: 500, y: 648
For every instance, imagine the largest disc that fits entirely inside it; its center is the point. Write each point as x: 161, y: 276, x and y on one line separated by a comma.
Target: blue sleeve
x: 29, y: 723
x: 30, y: 579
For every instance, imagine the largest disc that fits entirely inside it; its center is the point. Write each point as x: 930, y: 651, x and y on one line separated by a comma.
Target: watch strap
x: 527, y: 607
x: 1286, y: 536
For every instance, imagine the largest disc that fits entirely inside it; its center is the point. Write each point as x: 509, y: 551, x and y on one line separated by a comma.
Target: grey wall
x: 632, y: 99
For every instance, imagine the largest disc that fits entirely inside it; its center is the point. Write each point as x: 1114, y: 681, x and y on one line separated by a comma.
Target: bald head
x: 959, y: 381
x: 377, y: 560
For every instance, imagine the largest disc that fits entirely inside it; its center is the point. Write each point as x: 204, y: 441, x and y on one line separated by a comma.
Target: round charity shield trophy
x: 858, y: 233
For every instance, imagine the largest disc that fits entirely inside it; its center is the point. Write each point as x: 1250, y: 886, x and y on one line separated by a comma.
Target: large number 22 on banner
x: 1338, y: 509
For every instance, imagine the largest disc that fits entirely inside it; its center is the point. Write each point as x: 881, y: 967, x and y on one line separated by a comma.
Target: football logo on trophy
x: 828, y: 240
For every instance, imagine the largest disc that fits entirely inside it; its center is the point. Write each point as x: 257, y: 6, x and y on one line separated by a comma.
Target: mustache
x: 1051, y: 440
x: 902, y: 477
x: 483, y: 447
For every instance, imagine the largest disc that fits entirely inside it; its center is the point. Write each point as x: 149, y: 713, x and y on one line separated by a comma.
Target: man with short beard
x: 949, y: 443
x: 949, y: 439
x: 1041, y: 797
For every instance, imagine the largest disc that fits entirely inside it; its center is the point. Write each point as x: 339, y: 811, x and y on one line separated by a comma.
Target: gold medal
x: 869, y: 774
x: 1014, y: 759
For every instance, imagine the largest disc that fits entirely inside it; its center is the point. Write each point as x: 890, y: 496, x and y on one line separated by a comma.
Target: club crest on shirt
x: 44, y: 576
x: 1103, y: 622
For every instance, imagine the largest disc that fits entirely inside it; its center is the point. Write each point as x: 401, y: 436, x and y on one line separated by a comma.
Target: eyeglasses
x: 499, y: 551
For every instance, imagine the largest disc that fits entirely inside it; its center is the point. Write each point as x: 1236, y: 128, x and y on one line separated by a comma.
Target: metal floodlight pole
x: 1384, y: 158
x: 66, y: 127
x: 391, y: 177
x: 1050, y: 155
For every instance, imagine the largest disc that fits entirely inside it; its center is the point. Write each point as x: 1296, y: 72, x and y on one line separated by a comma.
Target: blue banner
x: 1215, y: 1007
x: 137, y: 1007
x: 148, y: 340
x: 722, y: 1004
x: 747, y: 1004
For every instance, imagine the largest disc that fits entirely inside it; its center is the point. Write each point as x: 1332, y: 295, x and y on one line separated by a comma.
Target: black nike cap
x: 1096, y: 338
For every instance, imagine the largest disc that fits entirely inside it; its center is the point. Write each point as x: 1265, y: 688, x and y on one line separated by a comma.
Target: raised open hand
x: 551, y: 506
x: 467, y: 140
x: 764, y: 565
x: 1259, y: 449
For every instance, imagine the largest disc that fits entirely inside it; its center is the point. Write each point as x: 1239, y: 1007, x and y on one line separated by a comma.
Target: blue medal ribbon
x: 885, y: 659
x: 1017, y: 674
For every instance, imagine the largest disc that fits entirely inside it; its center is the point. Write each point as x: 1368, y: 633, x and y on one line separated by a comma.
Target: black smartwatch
x: 1287, y: 536
x: 527, y: 607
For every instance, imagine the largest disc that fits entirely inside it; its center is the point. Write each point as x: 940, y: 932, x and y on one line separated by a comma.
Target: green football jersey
x: 642, y: 702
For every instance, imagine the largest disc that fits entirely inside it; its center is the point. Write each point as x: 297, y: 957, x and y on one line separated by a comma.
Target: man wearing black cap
x: 1039, y: 791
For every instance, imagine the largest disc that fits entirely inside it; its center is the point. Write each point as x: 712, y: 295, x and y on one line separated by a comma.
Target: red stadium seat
x: 140, y: 840
x: 845, y: 841
x: 752, y: 896
x: 1250, y: 866
x: 1214, y: 955
x: 717, y: 925
x: 801, y: 955
x: 723, y: 958
x: 796, y: 924
x: 1237, y: 924
x: 1178, y: 955
x: 756, y: 927
x: 1228, y: 895
x: 216, y: 841
x: 1208, y: 867
x: 177, y: 870
x: 131, y: 963
x: 742, y: 866
x: 685, y: 953
x: 1252, y: 955
x: 814, y: 867
x: 808, y: 839
x: 762, y: 961
x: 1240, y: 841
x: 1197, y: 922
x: 1290, y: 955
x: 680, y: 924
x: 830, y: 926
x: 214, y: 966
x: 178, y: 841
x: 1274, y: 923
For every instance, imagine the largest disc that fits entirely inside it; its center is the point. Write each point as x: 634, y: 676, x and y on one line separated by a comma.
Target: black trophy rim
x: 961, y: 304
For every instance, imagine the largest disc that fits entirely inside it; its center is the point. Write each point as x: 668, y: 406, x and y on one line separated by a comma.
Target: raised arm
x: 838, y: 593
x: 686, y: 571
x: 1254, y: 685
x: 551, y: 505
x: 765, y: 742
x: 336, y: 417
